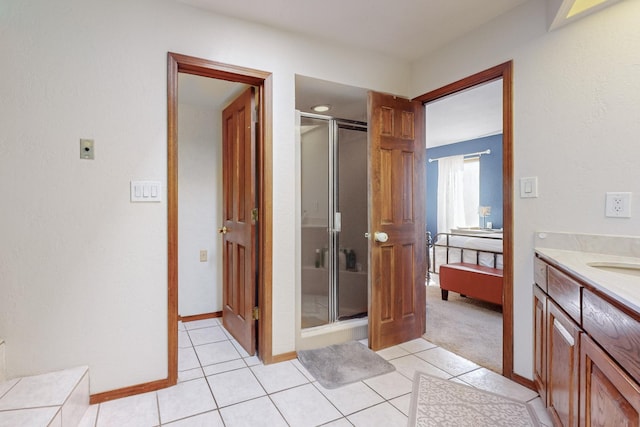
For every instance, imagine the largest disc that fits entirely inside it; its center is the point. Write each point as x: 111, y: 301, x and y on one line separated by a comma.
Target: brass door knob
x: 223, y: 230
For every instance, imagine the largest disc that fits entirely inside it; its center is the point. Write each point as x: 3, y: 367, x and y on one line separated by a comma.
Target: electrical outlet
x: 87, y: 150
x: 618, y: 205
x: 203, y: 255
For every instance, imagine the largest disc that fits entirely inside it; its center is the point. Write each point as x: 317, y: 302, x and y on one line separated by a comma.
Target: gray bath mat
x: 341, y: 364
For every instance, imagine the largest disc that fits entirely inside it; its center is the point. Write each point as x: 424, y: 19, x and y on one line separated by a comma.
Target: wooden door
x: 397, y: 208
x: 563, y: 358
x: 238, y: 231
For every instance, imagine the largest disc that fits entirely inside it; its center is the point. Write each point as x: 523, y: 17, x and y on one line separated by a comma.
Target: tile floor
x: 221, y: 385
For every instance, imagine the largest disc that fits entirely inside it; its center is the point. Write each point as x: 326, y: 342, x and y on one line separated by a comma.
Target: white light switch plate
x: 146, y: 191
x: 529, y: 187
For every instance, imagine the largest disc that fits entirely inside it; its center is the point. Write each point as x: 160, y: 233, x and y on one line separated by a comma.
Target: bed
x: 469, y: 262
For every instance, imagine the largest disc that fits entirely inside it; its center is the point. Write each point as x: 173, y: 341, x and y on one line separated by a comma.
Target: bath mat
x: 438, y: 402
x: 341, y: 364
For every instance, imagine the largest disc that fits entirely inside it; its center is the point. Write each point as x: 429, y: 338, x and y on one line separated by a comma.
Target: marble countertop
x: 621, y: 286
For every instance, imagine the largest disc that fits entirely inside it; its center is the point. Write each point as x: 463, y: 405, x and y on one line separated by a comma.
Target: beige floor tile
x: 279, y: 376
x: 351, y: 398
x: 133, y: 411
x: 408, y: 365
x: 256, y: 412
x: 390, y: 385
x: 392, y: 352
x: 217, y: 352
x: 490, y: 381
x: 208, y: 419
x: 403, y: 403
x: 234, y: 387
x: 184, y: 400
x: 382, y: 415
x: 419, y: 344
x: 305, y: 406
x: 207, y: 335
x: 447, y: 361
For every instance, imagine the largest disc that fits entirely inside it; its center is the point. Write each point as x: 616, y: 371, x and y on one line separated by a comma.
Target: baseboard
x: 280, y: 358
x: 523, y: 381
x: 200, y: 316
x: 129, y: 391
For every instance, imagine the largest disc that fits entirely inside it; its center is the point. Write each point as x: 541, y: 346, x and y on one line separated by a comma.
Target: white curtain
x: 450, y: 193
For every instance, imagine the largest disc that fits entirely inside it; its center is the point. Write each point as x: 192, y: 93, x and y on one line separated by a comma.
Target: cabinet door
x: 540, y: 347
x: 609, y: 396
x: 563, y: 357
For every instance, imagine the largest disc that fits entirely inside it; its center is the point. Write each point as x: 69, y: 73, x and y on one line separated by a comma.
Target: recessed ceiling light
x: 321, y: 108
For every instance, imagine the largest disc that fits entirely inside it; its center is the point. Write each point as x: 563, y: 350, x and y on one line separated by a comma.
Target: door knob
x: 380, y: 236
x: 223, y: 230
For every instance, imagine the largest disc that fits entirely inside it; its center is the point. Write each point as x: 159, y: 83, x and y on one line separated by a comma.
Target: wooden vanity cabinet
x: 586, y: 353
x: 563, y: 361
x: 609, y: 397
x: 540, y: 342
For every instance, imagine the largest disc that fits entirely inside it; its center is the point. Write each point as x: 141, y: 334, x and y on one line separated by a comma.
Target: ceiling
x: 406, y: 29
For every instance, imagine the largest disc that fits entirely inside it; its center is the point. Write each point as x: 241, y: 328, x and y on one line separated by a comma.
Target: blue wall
x: 490, y: 177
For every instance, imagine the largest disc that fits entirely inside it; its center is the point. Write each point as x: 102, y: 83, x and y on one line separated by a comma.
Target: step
x: 55, y: 399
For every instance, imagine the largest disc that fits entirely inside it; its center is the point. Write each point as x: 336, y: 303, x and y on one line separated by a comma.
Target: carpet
x: 465, y: 326
x: 438, y: 402
x: 341, y: 364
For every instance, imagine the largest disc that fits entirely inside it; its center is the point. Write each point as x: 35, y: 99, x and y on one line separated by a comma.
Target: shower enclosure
x: 334, y: 251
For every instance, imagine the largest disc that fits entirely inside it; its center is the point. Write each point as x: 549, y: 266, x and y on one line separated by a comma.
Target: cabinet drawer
x: 540, y: 273
x: 617, y: 332
x: 565, y: 291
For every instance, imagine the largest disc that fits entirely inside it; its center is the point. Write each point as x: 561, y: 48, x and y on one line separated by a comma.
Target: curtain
x: 450, y: 193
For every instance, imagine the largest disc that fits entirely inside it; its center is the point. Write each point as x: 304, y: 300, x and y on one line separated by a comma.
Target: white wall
x: 200, y: 207
x: 83, y: 271
x: 576, y: 126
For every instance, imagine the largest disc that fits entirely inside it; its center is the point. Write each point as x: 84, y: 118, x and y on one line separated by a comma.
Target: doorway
x: 263, y: 160
x: 504, y: 72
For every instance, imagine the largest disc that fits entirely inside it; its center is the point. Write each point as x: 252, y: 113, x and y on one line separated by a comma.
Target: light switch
x: 529, y: 187
x: 146, y: 191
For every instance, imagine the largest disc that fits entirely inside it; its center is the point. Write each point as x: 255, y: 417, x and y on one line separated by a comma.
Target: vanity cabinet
x: 586, y: 352
x: 563, y: 360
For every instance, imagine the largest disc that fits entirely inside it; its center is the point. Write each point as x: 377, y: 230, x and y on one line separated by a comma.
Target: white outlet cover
x: 618, y: 205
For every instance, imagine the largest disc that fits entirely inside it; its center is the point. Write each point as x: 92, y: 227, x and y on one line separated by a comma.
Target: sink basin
x: 617, y: 267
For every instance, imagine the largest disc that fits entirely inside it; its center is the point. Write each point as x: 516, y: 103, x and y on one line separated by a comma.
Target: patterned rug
x: 438, y: 402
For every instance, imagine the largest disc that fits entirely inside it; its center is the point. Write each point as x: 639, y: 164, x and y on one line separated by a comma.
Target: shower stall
x: 333, y: 223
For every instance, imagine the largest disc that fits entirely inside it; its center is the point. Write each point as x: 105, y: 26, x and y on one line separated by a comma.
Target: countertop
x: 622, y: 287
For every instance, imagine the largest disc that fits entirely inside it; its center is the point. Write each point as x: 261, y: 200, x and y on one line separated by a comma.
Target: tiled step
x: 56, y: 399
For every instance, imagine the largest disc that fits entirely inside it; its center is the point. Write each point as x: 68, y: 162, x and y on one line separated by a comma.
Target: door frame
x: 504, y: 71
x: 178, y: 63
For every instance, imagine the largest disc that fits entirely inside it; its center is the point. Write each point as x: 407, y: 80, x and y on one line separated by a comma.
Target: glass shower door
x: 314, y: 153
x: 333, y: 220
x: 351, y: 189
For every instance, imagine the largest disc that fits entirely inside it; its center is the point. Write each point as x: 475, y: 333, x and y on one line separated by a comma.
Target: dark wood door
x: 397, y: 209
x: 238, y: 231
x: 563, y: 358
